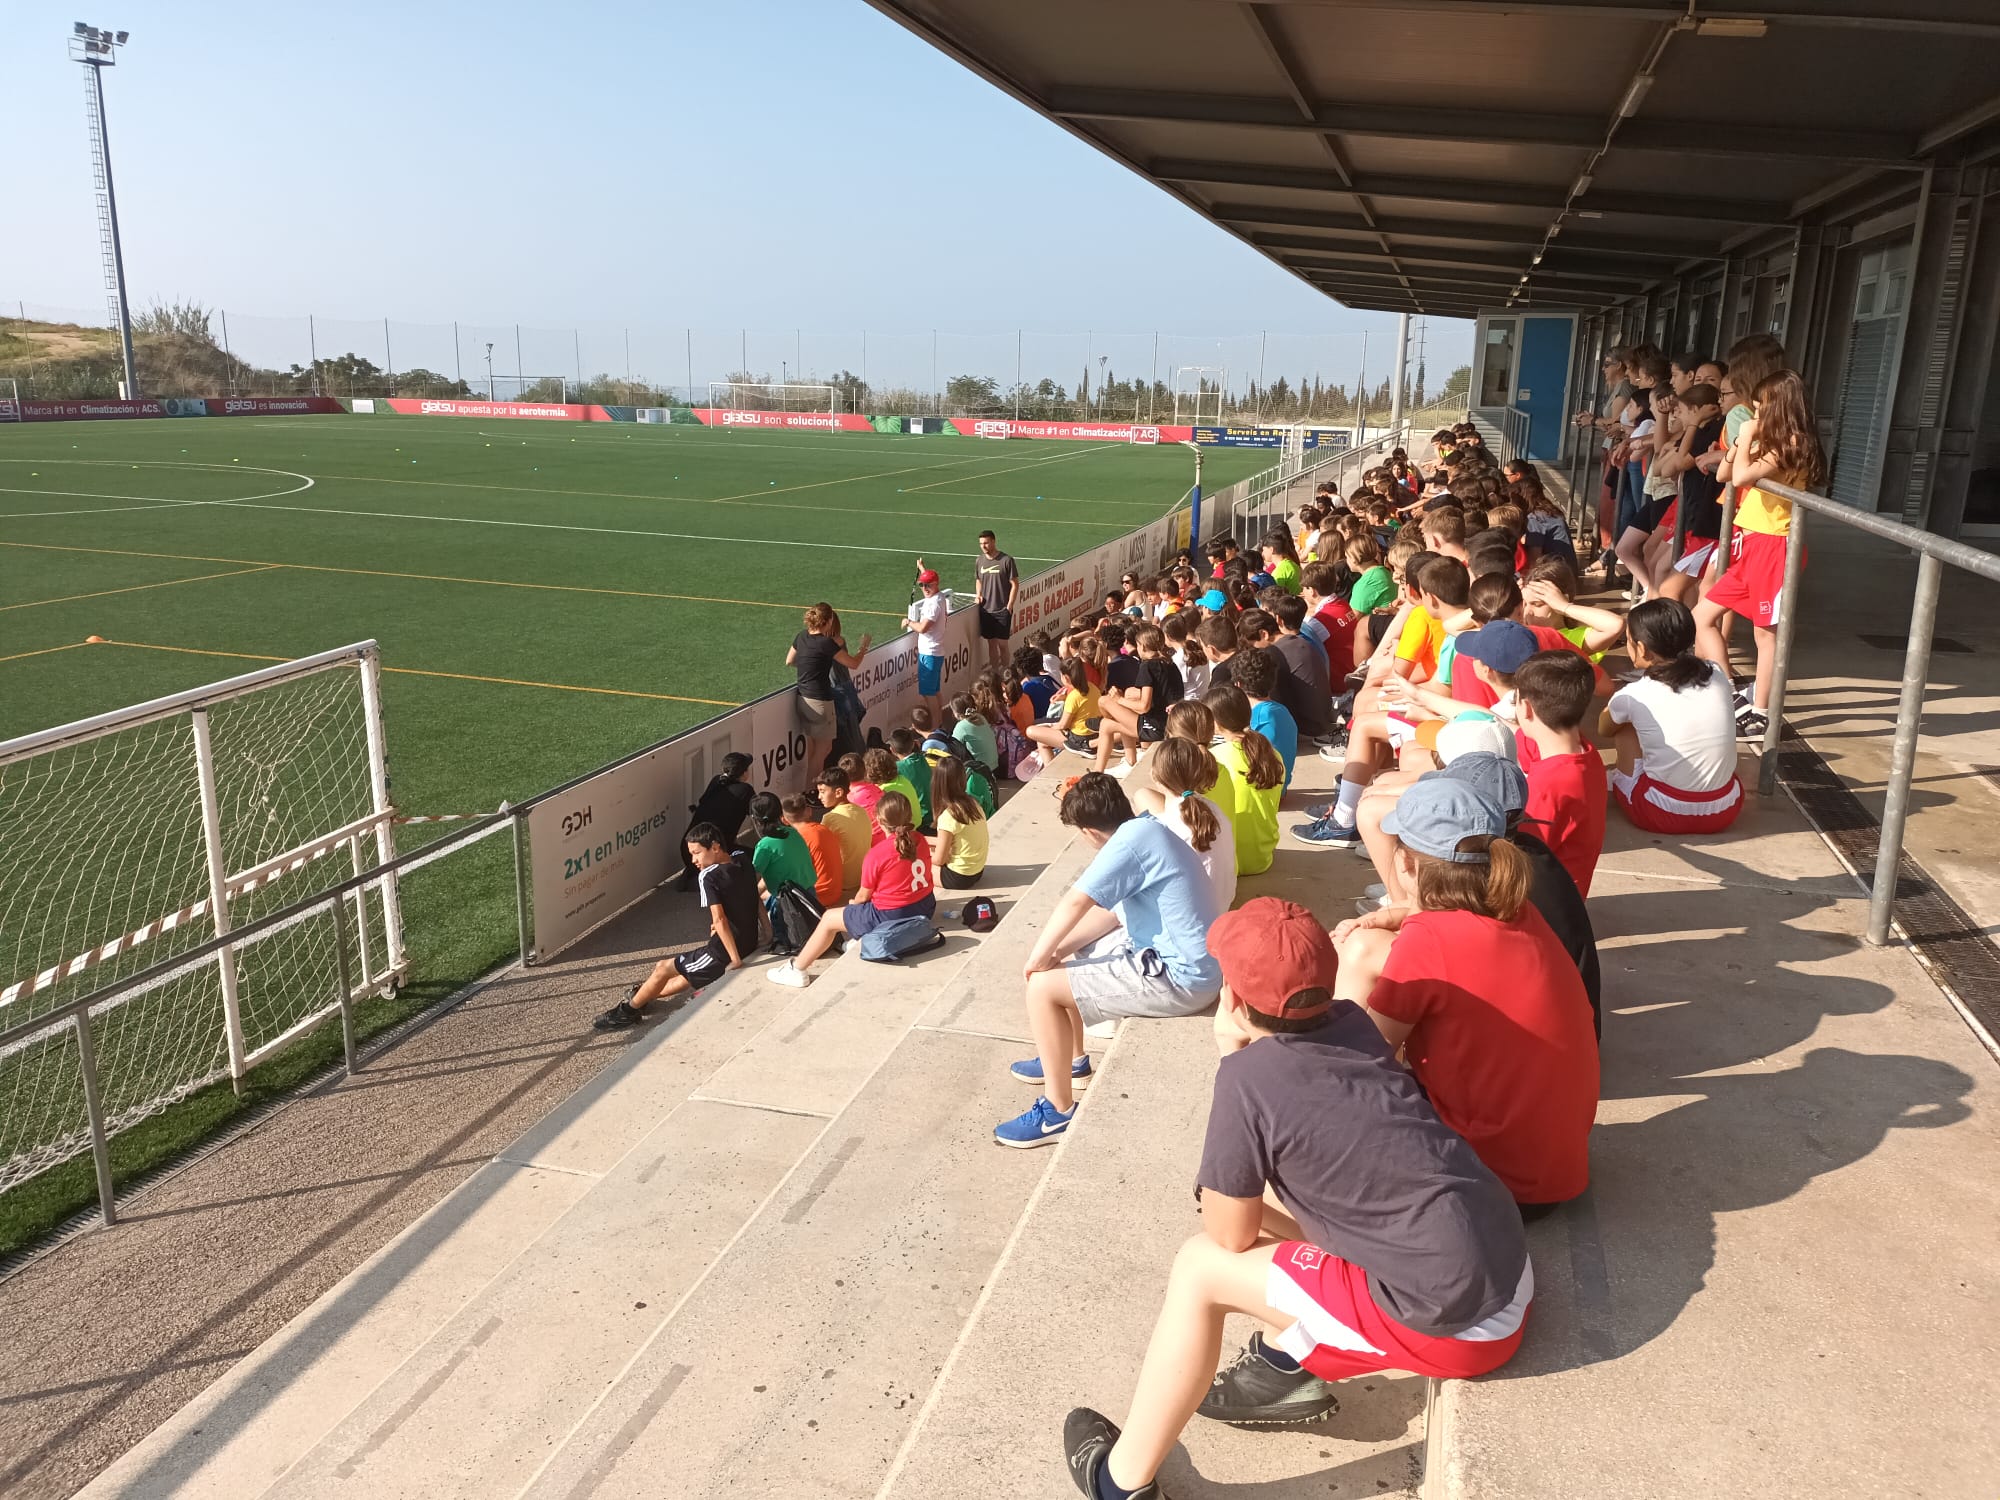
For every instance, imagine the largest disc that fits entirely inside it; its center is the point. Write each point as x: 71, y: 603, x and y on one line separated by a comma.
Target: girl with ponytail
x: 1482, y: 997
x: 1187, y: 776
x: 898, y: 880
x: 1258, y: 772
x: 1674, y: 728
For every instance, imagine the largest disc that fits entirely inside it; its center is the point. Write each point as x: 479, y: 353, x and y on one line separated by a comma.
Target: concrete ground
x: 770, y: 1243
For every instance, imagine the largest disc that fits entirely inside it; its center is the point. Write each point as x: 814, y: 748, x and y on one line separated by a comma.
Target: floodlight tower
x: 96, y: 49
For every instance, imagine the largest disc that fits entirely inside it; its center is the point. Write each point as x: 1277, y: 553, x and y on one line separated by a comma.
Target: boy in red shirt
x: 1566, y: 781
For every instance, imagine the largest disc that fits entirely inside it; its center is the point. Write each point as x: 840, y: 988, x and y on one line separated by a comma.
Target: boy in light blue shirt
x: 1130, y: 938
x: 1257, y: 674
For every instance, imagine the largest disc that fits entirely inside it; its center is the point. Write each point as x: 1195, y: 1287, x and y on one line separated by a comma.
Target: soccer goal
x: 10, y: 399
x: 141, y: 834
x: 1198, y: 394
x: 747, y: 403
x: 555, y: 389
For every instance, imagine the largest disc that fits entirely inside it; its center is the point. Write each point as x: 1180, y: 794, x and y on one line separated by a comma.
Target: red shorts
x: 1339, y: 1331
x: 1659, y: 808
x: 1754, y: 586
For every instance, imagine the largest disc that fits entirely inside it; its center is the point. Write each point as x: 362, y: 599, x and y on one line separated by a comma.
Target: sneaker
x: 779, y: 948
x: 1088, y: 1437
x: 1367, y: 906
x: 1120, y: 770
x: 1253, y: 1392
x: 1377, y: 892
x: 1337, y: 753
x: 1321, y: 810
x: 789, y: 974
x: 1029, y: 1070
x: 618, y: 1018
x: 1325, y: 833
x: 1041, y: 1124
x: 1751, y: 724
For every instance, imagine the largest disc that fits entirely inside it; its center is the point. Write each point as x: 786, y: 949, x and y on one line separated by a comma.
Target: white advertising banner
x: 1051, y: 597
x: 602, y: 844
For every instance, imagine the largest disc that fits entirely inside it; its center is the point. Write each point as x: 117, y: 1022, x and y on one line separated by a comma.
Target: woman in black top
x: 815, y: 651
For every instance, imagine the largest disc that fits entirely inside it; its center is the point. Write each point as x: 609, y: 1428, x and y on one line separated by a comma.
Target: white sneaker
x: 787, y: 974
x: 1378, y: 893
x: 1120, y: 770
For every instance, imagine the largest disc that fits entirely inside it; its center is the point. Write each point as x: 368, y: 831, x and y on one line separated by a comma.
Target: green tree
x: 852, y: 390
x: 972, y: 395
x: 1457, y: 383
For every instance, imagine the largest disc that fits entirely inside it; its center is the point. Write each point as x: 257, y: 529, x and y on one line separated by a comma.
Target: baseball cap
x: 1214, y: 599
x: 929, y: 575
x: 1271, y: 950
x: 980, y: 914
x: 1503, y: 645
x: 1434, y: 815
x: 1494, y: 777
x: 1469, y: 734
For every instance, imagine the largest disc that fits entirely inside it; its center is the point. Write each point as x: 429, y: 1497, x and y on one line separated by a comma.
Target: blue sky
x: 798, y: 170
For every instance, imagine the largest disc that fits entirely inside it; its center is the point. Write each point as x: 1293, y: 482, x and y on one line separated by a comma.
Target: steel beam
x: 1479, y: 127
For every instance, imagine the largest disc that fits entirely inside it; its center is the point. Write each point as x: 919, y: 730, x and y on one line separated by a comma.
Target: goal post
x: 763, y: 396
x: 1198, y: 393
x: 10, y: 399
x: 551, y: 388
x: 143, y: 833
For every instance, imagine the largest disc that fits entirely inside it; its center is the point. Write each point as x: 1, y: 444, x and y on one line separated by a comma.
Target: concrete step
x: 1069, y: 1311
x: 467, y: 1353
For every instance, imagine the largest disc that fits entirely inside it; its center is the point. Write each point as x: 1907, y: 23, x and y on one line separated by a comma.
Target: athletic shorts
x: 1110, y: 978
x: 1152, y: 729
x: 1338, y: 1331
x: 1081, y: 743
x: 951, y: 880
x: 995, y: 624
x: 1649, y: 514
x: 862, y: 917
x: 701, y: 967
x: 1659, y: 808
x: 817, y: 719
x: 1754, y: 586
x: 930, y: 675
x: 1401, y: 732
x: 1699, y: 550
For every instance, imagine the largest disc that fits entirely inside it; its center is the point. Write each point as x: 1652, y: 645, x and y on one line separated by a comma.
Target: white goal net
x: 748, y: 403
x: 555, y: 389
x: 144, y: 833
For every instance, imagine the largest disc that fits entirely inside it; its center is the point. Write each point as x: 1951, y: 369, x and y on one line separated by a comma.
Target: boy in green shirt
x: 780, y: 858
x: 913, y: 769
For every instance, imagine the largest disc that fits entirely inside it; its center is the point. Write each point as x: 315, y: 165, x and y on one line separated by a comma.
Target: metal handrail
x: 1934, y: 552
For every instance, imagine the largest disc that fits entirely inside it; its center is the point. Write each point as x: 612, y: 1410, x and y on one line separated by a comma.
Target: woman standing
x: 816, y: 650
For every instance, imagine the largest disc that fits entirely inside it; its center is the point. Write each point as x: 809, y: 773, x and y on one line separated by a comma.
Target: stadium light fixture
x: 96, y: 48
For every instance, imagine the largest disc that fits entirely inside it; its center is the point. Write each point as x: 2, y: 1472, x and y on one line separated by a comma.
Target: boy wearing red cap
x: 926, y: 619
x: 1394, y: 1247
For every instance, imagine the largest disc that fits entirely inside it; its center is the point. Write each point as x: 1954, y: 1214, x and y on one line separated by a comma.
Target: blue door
x: 1541, y: 382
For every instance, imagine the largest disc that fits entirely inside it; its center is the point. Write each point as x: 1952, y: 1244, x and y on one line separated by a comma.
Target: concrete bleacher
x: 772, y: 1248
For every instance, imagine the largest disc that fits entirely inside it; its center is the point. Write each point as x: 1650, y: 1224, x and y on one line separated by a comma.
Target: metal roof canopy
x: 1444, y: 156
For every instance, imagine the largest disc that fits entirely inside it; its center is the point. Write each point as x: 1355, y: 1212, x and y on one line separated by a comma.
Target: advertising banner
x: 273, y: 406
x: 1087, y: 432
x: 91, y: 410
x: 1047, y: 600
x: 606, y: 842
x: 809, y: 421
x: 1246, y: 437
x: 546, y: 411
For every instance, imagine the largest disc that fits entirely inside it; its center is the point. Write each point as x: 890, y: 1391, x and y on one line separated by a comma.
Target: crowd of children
x: 1402, y: 1089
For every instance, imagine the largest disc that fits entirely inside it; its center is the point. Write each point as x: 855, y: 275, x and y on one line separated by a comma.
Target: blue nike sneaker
x: 1041, y: 1125
x: 1029, y: 1070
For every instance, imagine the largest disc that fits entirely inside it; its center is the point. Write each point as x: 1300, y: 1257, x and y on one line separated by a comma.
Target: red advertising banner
x: 1087, y: 432
x: 813, y: 421
x: 86, y: 411
x: 274, y: 406
x: 547, y: 411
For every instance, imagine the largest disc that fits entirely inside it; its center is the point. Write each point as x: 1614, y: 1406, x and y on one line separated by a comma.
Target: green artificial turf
x: 547, y: 596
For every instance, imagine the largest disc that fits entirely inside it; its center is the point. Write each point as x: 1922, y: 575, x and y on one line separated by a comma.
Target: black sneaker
x: 1087, y: 1440
x: 1750, y: 723
x: 618, y: 1018
x: 1253, y: 1392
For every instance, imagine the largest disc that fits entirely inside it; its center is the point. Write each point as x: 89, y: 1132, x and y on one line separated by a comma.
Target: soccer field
x: 547, y: 595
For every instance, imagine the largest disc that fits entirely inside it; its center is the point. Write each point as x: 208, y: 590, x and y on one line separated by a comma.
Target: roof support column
x: 1809, y: 316
x: 1946, y: 359
x: 1726, y: 321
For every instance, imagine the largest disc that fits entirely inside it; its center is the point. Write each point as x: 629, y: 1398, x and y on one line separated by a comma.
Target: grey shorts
x: 817, y: 720
x: 1109, y: 978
